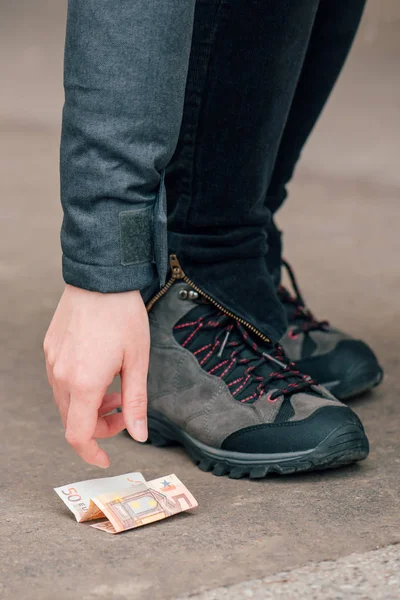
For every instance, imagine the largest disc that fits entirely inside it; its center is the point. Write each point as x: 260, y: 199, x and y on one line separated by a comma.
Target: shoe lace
x: 231, y: 347
x: 305, y: 318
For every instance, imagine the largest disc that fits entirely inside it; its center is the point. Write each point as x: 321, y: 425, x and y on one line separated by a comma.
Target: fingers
x: 81, y: 426
x: 110, y: 402
x: 106, y: 425
x: 62, y: 400
x: 91, y: 338
x: 60, y: 394
x: 49, y: 372
x: 134, y: 396
x: 109, y: 426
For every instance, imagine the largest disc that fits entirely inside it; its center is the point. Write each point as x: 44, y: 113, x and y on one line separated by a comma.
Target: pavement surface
x: 341, y: 233
x: 368, y: 576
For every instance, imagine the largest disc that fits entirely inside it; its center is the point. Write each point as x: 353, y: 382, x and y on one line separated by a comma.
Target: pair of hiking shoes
x: 242, y: 405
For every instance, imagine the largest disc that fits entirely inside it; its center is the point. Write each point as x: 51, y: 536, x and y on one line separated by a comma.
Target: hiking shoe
x: 231, y: 397
x: 342, y: 364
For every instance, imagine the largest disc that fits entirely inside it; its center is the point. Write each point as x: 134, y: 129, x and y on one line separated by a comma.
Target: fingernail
x: 140, y: 430
x: 102, y: 460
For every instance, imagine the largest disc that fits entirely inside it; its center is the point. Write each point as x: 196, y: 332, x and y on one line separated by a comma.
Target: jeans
x: 210, y: 101
x: 260, y: 73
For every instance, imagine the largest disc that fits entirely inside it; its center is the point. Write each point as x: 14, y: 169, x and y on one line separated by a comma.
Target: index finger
x: 81, y: 426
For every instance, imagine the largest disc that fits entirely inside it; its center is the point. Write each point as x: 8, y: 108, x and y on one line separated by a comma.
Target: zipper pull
x: 176, y: 269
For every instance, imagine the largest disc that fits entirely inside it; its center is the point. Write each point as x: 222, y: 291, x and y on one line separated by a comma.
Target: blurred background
x: 342, y: 224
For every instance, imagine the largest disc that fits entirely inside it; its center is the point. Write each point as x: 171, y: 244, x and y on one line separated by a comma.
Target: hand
x: 92, y: 338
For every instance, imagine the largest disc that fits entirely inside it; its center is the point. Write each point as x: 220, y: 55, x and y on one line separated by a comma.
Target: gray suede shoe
x: 344, y: 365
x: 232, y: 399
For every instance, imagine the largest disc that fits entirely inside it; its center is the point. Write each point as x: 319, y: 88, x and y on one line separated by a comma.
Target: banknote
x: 126, y: 501
x: 141, y: 504
x: 77, y: 496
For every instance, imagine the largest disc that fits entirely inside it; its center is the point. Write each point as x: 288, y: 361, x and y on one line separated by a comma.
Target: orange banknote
x: 124, y: 508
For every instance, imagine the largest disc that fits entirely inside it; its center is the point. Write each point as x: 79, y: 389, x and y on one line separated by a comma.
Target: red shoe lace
x: 310, y: 323
x: 229, y: 352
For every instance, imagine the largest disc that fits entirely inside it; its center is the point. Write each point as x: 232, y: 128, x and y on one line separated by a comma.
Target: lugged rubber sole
x: 343, y: 446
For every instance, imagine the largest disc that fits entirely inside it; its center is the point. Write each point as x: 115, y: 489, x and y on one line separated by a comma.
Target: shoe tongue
x: 208, y: 335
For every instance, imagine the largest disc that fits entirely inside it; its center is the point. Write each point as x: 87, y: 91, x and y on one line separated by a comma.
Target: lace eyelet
x: 292, y: 335
x: 272, y: 400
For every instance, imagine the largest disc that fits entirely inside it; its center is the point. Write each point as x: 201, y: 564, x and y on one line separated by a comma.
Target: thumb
x: 134, y: 397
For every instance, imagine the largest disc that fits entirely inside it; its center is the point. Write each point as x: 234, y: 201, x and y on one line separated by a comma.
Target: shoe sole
x: 345, y: 445
x: 355, y: 384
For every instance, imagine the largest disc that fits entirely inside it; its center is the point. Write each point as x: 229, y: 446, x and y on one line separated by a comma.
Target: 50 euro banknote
x: 77, y: 496
x: 122, y: 508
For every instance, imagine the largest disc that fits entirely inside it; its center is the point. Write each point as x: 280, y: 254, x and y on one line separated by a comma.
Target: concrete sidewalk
x: 342, y: 234
x: 369, y: 576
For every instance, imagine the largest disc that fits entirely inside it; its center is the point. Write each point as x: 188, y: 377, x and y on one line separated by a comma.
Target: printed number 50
x: 72, y: 494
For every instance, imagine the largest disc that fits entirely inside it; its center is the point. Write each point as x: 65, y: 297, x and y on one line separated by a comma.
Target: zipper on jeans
x: 177, y: 274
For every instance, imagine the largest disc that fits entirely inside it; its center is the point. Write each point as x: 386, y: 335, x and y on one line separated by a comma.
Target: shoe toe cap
x: 350, y: 366
x: 295, y: 436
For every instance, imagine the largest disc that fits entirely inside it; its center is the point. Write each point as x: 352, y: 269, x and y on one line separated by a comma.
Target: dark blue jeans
x: 260, y: 73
